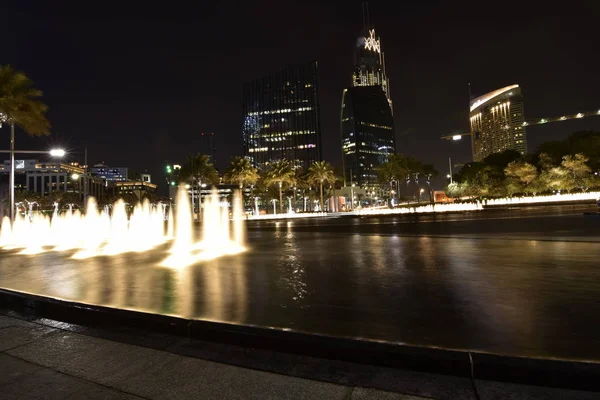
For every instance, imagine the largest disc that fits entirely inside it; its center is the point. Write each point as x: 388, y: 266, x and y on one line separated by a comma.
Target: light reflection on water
x: 509, y: 296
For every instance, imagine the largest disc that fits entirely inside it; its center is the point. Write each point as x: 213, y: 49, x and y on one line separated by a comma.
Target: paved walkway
x: 38, y: 361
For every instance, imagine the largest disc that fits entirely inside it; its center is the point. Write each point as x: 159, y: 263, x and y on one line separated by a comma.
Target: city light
x: 555, y: 198
x: 371, y: 43
x: 456, y: 137
x: 75, y: 177
x: 57, y: 153
x: 448, y: 176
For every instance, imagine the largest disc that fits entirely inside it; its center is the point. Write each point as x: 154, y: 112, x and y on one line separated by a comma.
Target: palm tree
x: 20, y: 106
x: 198, y: 170
x: 280, y: 173
x: 241, y: 172
x: 321, y: 172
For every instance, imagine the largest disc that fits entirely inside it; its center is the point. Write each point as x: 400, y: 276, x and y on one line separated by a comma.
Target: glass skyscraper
x: 367, y: 133
x: 367, y: 123
x: 281, y: 117
x: 497, y: 122
x: 369, y: 62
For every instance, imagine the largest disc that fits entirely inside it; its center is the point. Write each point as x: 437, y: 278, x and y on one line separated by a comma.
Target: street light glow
x: 75, y: 177
x: 456, y: 137
x: 448, y: 176
x: 57, y: 153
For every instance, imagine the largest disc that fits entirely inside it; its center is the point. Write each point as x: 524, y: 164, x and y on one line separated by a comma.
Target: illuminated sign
x: 371, y: 43
x: 19, y: 164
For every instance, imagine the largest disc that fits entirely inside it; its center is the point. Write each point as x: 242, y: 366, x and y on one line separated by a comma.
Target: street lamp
x: 57, y: 153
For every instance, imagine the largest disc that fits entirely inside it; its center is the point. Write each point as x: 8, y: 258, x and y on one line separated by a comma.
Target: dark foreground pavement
x: 47, y: 359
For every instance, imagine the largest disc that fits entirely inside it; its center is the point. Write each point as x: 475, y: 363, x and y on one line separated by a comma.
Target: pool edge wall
x: 577, y: 375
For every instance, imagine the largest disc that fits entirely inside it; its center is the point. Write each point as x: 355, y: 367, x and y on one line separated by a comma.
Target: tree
x: 280, y: 173
x: 545, y: 161
x: 538, y: 185
x: 513, y: 185
x: 520, y: 175
x: 577, y: 168
x: 554, y: 151
x: 199, y: 169
x: 321, y: 172
x: 20, y: 106
x: 387, y: 173
x: 557, y: 178
x: 241, y: 172
x: 591, y: 181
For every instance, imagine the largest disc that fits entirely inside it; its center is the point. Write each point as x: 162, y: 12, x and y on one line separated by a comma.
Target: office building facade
x: 498, y: 122
x: 367, y: 134
x: 110, y: 174
x: 45, y: 178
x: 281, y: 117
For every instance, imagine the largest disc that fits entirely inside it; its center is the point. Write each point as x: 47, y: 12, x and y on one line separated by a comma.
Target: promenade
x: 47, y: 359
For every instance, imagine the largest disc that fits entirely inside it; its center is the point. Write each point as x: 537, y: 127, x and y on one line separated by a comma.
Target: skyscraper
x: 369, y: 62
x: 366, y: 119
x: 497, y: 122
x: 281, y: 117
x: 367, y: 133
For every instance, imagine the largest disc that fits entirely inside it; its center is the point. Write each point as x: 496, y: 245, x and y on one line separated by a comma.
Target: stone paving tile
x: 264, y: 360
x: 6, y: 321
x: 193, y: 378
x: 388, y: 379
x: 490, y: 390
x: 47, y: 384
x: 12, y: 369
x: 17, y: 335
x: 94, y: 359
x: 160, y: 375
x: 373, y: 394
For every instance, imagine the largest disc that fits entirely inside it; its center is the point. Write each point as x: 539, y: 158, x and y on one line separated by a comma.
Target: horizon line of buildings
x: 45, y: 177
x: 281, y: 117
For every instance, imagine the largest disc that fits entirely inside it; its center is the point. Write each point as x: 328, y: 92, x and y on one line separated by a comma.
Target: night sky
x: 139, y: 84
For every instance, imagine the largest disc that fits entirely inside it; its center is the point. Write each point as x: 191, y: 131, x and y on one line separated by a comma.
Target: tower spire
x: 365, y: 11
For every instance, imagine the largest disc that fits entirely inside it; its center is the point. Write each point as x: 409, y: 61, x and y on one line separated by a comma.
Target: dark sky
x: 139, y: 83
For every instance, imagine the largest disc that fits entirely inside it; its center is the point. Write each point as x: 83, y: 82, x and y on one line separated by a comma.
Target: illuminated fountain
x: 98, y: 233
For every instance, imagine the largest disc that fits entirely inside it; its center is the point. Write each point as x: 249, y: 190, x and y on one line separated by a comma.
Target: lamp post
x: 53, y: 153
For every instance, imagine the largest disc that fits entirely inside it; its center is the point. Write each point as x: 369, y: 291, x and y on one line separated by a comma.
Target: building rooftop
x: 488, y: 96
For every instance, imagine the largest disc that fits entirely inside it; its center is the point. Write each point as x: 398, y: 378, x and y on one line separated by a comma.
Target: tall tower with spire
x: 369, y: 58
x: 367, y: 123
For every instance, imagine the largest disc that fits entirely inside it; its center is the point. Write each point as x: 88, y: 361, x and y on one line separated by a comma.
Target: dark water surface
x: 521, y: 282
